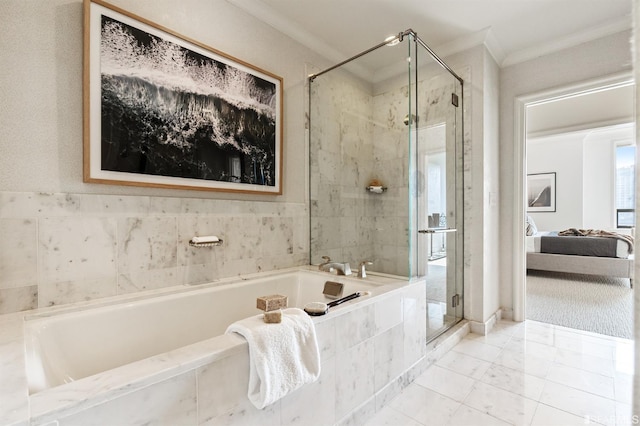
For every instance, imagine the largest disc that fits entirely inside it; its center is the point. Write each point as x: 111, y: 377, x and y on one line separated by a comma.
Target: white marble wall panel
x: 63, y: 248
x: 388, y: 313
x: 222, y: 388
x: 326, y: 334
x: 169, y: 402
x: 147, y: 253
x: 317, y: 400
x: 355, y: 327
x: 19, y: 248
x: 37, y: 204
x: 197, y: 265
x: 341, y: 166
x: 14, y: 404
x: 415, y: 326
x: 389, y: 356
x: 354, y: 377
x: 77, y: 259
x: 18, y: 261
x: 18, y: 299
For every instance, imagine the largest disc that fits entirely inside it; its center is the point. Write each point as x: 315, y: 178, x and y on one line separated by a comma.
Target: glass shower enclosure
x: 385, y: 169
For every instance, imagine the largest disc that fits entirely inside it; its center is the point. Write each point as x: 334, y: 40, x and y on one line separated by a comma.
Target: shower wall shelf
x: 376, y: 189
x: 207, y: 244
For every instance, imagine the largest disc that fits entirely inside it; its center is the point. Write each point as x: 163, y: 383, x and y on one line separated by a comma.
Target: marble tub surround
x: 66, y: 248
x: 369, y: 351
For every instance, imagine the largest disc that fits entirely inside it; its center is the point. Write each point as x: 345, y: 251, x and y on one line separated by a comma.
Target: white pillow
x: 531, y: 228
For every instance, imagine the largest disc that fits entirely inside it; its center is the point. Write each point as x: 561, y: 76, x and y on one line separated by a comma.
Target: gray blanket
x: 580, y: 246
x: 599, y: 233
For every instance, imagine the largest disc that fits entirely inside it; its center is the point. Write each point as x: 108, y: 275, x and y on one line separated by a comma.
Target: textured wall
x: 603, y: 57
x: 63, y: 240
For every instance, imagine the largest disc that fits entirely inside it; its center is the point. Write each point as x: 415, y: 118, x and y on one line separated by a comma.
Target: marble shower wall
x: 341, y: 165
x: 391, y: 165
x: 357, y: 134
x: 64, y: 248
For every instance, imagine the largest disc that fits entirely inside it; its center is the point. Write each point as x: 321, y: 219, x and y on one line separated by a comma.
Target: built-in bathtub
x: 72, y: 345
x: 164, y: 358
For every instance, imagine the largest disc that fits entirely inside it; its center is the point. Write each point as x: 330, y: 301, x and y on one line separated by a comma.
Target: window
x: 625, y: 186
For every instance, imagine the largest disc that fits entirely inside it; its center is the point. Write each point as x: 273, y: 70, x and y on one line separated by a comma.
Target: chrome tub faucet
x: 340, y: 268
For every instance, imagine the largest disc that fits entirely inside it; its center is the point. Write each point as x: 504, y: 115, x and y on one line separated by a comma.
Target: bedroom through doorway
x: 579, y: 198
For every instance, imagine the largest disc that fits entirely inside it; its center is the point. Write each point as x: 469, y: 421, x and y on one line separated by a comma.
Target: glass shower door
x: 438, y: 135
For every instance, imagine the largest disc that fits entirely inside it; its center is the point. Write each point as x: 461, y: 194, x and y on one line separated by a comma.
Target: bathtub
x: 74, y: 344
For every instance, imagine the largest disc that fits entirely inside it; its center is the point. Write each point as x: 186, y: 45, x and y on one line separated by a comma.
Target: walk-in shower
x: 386, y: 163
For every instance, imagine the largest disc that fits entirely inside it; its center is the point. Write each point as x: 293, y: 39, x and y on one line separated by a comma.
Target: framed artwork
x: 541, y: 192
x: 162, y: 110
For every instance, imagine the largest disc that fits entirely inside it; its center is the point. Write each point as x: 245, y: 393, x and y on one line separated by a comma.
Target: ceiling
x: 512, y: 30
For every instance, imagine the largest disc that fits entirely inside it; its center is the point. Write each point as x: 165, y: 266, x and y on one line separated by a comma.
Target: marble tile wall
x: 63, y: 248
x: 341, y: 164
x: 357, y: 135
x: 368, y: 356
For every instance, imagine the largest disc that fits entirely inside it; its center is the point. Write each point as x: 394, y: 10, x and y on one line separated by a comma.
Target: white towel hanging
x: 282, y: 357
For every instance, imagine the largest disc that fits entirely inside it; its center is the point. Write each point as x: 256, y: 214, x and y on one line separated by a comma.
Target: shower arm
x: 400, y: 37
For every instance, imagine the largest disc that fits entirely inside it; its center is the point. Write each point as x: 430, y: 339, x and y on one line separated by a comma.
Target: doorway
x: 561, y: 104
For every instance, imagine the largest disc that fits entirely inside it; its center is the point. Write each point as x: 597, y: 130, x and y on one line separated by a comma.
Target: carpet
x: 436, y: 283
x: 601, y: 305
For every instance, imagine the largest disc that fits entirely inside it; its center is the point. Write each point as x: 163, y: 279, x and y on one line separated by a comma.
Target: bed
x: 580, y: 251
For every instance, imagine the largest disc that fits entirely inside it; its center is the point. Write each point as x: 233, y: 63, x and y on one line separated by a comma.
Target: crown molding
x: 485, y: 37
x: 609, y: 28
x: 266, y: 14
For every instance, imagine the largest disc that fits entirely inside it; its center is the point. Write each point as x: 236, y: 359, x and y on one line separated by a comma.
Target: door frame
x: 520, y: 171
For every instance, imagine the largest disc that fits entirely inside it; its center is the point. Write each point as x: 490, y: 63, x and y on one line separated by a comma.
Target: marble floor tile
x: 478, y: 350
x: 623, y: 387
x: 524, y: 362
x: 495, y: 339
x: 446, y: 382
x: 514, y: 381
x: 586, y: 346
x: 624, y: 414
x: 504, y: 405
x: 579, y: 402
x: 583, y: 380
x: 528, y: 374
x: 391, y: 417
x: 466, y: 416
x: 529, y: 347
x: 464, y: 364
x: 509, y: 327
x: 590, y: 363
x: 424, y: 405
x: 549, y: 416
x: 623, y: 358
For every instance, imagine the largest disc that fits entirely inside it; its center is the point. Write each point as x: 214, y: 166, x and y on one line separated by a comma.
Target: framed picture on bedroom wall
x: 541, y: 192
x: 164, y: 110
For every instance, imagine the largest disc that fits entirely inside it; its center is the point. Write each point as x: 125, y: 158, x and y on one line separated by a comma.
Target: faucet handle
x: 362, y: 268
x: 326, y: 259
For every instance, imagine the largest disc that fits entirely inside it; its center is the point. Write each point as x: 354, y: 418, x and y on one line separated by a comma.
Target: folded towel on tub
x: 282, y: 356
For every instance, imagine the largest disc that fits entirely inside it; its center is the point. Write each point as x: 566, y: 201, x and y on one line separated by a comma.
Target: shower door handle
x: 436, y: 230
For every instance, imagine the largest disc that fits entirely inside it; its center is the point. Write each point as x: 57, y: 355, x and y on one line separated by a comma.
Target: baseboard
x: 484, y: 328
x: 506, y: 314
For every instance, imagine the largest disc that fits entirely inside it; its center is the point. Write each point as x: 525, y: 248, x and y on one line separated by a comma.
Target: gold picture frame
x: 163, y: 110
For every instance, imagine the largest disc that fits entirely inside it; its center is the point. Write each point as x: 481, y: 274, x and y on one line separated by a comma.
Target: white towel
x: 282, y: 356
